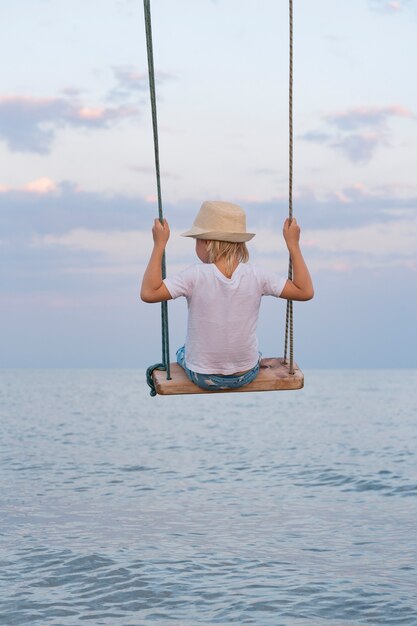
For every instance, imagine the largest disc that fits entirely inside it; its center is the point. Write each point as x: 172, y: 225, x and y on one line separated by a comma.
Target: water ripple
x: 265, y: 509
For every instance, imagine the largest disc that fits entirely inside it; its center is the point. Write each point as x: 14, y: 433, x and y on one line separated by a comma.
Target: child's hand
x: 160, y: 233
x: 291, y: 232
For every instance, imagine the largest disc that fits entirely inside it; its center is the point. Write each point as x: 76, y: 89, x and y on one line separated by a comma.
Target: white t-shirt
x: 223, y: 314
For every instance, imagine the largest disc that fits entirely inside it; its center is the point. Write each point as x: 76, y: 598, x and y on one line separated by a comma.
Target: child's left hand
x: 160, y: 233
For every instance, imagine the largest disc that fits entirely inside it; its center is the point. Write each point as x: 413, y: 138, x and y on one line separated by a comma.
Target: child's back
x: 223, y: 315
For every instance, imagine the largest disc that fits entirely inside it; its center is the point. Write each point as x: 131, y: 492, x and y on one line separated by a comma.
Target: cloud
x: 71, y: 91
x: 368, y: 117
x: 117, y: 247
x: 44, y: 205
x: 384, y: 6
x: 130, y: 82
x: 382, y: 243
x: 358, y: 132
x: 316, y: 136
x: 29, y: 124
x: 40, y: 186
x: 368, y: 246
x: 359, y: 147
x: 347, y: 228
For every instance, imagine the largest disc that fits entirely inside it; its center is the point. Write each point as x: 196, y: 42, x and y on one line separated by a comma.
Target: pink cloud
x: 359, y: 131
x: 26, y: 101
x: 88, y: 113
x: 367, y: 116
x: 130, y: 81
x: 342, y: 197
x: 340, y: 267
x: 30, y: 124
x: 388, y: 7
x: 40, y: 186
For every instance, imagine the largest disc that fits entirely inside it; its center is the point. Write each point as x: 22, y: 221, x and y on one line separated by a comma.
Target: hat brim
x: 197, y: 233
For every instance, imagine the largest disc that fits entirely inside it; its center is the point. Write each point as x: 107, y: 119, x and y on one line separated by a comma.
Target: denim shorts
x: 211, y: 382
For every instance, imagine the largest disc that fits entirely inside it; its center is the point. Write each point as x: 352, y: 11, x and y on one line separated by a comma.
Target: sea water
x: 273, y: 509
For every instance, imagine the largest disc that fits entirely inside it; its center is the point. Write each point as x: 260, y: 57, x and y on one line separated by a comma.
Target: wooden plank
x: 273, y: 376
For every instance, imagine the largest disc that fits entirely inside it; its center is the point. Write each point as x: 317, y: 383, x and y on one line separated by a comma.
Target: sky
x: 77, y: 182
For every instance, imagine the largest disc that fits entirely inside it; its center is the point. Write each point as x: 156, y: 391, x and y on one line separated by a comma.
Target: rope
x: 164, y: 305
x: 149, y: 379
x: 289, y: 325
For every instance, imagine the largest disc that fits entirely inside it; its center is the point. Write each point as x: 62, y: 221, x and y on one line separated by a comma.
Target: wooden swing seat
x: 273, y: 375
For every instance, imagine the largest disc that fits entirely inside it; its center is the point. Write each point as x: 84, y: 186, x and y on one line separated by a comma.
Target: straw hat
x: 220, y: 221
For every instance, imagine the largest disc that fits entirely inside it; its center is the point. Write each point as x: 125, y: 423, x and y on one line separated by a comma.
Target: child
x: 223, y: 294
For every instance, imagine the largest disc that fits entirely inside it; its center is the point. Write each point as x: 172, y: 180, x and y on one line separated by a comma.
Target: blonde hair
x: 230, y: 251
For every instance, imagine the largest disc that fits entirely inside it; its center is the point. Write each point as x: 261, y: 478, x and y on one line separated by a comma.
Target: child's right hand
x: 160, y: 232
x: 291, y: 232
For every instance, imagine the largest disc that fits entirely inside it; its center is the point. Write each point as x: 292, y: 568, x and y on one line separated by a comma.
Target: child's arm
x: 153, y: 289
x: 301, y: 285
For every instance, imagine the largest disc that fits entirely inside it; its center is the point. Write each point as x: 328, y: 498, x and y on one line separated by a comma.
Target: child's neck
x: 221, y: 266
